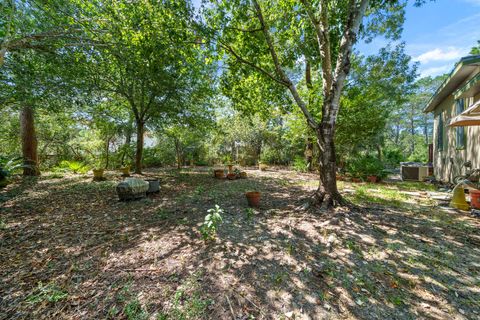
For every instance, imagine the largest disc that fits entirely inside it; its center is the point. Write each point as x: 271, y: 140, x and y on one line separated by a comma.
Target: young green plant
x: 211, y: 223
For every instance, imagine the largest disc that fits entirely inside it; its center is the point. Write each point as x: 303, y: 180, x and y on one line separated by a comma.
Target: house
x: 454, y: 102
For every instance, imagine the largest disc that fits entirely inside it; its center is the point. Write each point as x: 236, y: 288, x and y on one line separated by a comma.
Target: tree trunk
x: 128, y: 140
x: 412, y: 136
x: 397, y: 134
x: 379, y: 152
x: 29, y: 142
x: 327, y: 193
x: 178, y: 153
x: 107, y: 152
x: 139, y: 150
x: 309, y: 154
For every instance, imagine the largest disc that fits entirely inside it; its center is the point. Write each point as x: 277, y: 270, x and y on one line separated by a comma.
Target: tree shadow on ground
x: 146, y: 258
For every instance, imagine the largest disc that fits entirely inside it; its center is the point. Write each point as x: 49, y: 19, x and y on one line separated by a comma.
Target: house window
x: 460, y: 131
x: 440, y: 132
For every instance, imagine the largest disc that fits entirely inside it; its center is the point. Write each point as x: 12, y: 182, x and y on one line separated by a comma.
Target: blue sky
x: 437, y: 34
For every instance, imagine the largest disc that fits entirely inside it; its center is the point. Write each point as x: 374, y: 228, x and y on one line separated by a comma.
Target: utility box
x: 413, y: 171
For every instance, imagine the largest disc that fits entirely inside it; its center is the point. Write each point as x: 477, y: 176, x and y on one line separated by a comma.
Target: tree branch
x: 283, y: 76
x: 251, y: 64
x: 323, y: 39
x: 342, y: 67
x: 245, y: 30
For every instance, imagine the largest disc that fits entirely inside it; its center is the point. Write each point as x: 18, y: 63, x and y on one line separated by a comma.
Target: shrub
x: 300, y: 164
x: 9, y: 166
x: 393, y: 157
x: 72, y: 166
x: 273, y: 156
x: 155, y: 157
x: 211, y: 223
x: 366, y: 165
x: 201, y: 163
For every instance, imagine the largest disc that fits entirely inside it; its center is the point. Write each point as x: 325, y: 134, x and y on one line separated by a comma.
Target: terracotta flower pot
x: 372, y: 179
x: 253, y: 198
x: 475, y: 199
x: 356, y: 180
x: 219, y: 174
x: 231, y: 176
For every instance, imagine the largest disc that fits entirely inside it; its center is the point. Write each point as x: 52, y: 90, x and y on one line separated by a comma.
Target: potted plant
x: 98, y: 171
x: 367, y: 167
x: 98, y: 174
x: 262, y: 166
x: 356, y: 179
x: 219, y: 173
x: 374, y: 169
x: 237, y: 171
x: 240, y: 174
x: 253, y: 198
x: 125, y: 171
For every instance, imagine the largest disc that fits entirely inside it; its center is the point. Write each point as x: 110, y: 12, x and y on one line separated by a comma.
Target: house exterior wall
x: 448, y: 159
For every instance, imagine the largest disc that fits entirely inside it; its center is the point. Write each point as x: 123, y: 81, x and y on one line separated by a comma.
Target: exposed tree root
x: 321, y: 201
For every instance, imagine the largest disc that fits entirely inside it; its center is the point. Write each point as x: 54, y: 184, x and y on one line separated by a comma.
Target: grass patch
x: 133, y: 310
x: 47, y: 293
x: 371, y: 193
x: 130, y: 309
x: 413, y: 186
x: 187, y: 302
x: 163, y: 214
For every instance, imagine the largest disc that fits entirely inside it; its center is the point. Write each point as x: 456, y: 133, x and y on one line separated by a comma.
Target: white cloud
x: 474, y: 2
x: 435, y: 71
x: 438, y: 54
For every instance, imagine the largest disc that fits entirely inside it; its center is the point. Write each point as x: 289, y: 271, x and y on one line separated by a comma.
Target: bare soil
x: 70, y: 250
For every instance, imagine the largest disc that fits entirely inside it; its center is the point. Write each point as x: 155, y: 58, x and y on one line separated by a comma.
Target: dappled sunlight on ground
x: 69, y: 249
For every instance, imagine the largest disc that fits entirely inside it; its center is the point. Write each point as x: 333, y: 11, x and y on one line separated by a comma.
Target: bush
x: 393, y: 157
x: 201, y: 163
x: 273, y: 156
x: 154, y: 157
x: 72, y: 166
x: 9, y: 166
x: 300, y: 164
x: 366, y: 165
x: 7, y: 169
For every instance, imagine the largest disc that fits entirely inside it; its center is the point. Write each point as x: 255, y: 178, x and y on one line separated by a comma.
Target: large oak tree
x: 273, y: 37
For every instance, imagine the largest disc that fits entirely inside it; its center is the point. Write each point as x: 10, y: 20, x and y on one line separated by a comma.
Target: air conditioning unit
x: 414, y: 171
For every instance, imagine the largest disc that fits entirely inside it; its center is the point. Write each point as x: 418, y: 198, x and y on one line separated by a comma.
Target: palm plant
x: 8, y: 167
